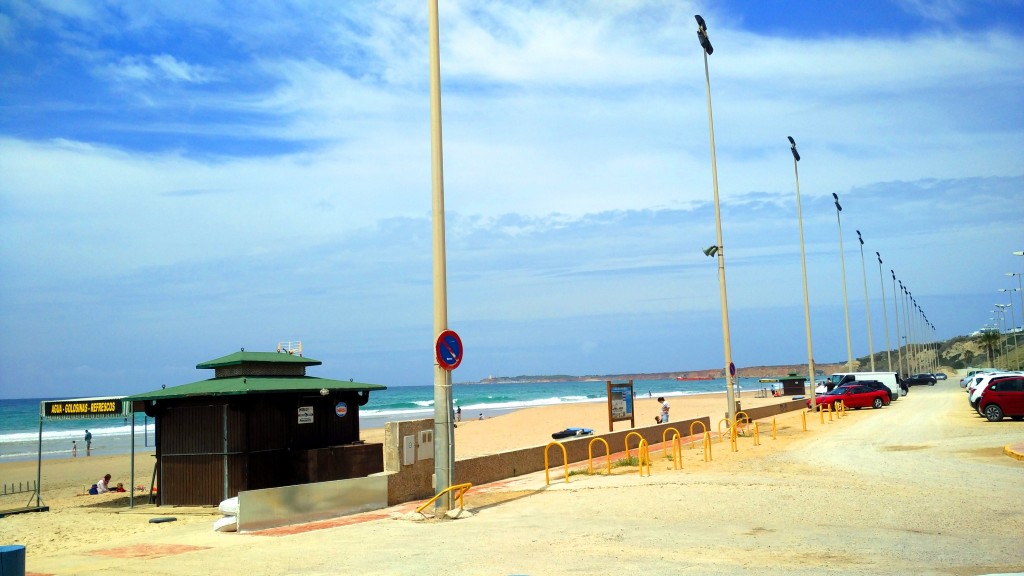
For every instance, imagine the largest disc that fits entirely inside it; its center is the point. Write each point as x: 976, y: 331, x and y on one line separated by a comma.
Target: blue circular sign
x: 448, y: 350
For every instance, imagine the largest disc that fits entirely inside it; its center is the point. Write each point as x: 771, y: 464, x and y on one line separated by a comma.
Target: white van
x: 887, y: 378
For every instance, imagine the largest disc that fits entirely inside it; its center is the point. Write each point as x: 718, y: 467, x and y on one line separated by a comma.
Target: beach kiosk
x: 260, y: 422
x: 791, y: 385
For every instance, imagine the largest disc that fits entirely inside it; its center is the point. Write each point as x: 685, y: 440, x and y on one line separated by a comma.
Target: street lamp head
x: 702, y: 35
x: 860, y: 238
x: 1019, y: 253
x: 792, y: 148
x: 838, y: 207
x: 710, y: 251
x: 879, y: 257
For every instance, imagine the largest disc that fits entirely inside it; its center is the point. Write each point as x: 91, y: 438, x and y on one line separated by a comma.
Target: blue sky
x: 181, y: 180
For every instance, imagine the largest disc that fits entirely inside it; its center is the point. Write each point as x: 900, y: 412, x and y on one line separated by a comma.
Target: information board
x: 620, y: 403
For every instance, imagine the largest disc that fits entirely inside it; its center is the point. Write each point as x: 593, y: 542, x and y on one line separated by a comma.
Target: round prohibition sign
x: 448, y: 350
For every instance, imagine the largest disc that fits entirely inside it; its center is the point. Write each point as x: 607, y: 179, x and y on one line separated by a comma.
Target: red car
x: 1003, y: 397
x: 853, y: 396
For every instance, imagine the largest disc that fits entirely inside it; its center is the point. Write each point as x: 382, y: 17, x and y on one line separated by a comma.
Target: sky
x: 181, y: 180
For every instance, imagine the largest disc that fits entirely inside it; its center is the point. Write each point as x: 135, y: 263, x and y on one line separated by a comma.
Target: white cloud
x: 294, y: 180
x: 159, y: 68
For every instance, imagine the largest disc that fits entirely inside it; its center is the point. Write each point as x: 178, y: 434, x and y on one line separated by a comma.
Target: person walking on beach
x: 458, y: 414
x: 88, y: 443
x: 664, y: 409
x: 74, y: 449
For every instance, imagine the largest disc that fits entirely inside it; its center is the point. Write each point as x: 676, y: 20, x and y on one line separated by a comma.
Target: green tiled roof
x: 254, y: 385
x: 243, y: 356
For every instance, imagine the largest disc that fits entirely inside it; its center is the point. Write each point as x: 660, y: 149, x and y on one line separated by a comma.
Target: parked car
x: 976, y: 389
x: 855, y: 396
x: 939, y: 375
x: 1004, y: 396
x: 920, y: 379
x: 972, y: 373
x: 874, y: 385
x: 890, y: 379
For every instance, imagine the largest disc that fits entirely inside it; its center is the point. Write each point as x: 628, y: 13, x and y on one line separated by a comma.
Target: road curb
x: 1015, y: 451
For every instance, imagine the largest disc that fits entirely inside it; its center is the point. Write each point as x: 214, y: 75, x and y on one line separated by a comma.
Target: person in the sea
x: 88, y: 443
x: 664, y: 409
x: 74, y: 449
x: 458, y: 414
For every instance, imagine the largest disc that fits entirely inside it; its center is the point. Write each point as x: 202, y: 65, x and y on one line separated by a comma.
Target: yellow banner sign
x: 86, y: 408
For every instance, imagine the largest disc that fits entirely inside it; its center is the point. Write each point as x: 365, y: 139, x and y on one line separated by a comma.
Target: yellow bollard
x: 644, y: 455
x: 707, y: 447
x: 565, y: 462
x: 803, y: 417
x: 702, y: 426
x: 727, y: 423
x: 637, y: 434
x: 607, y: 454
x: 773, y: 429
x: 664, y: 435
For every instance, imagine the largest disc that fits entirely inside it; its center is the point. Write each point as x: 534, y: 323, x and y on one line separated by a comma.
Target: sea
x: 20, y: 423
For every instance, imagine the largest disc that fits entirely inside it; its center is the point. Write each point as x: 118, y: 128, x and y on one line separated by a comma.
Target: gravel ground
x: 918, y: 487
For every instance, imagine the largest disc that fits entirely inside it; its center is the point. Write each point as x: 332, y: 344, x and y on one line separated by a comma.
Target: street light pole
x: 1014, y: 320
x: 846, y: 303
x: 1020, y: 292
x: 1002, y: 320
x: 707, y: 49
x: 885, y: 314
x: 803, y: 266
x: 896, y: 310
x: 906, y: 330
x: 867, y: 302
x: 444, y: 434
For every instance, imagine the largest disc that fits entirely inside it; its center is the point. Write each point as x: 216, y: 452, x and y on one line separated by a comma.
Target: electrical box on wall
x: 408, y: 450
x: 425, y: 450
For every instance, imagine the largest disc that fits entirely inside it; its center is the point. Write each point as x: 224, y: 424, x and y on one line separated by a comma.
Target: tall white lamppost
x: 999, y: 320
x: 918, y: 336
x: 1002, y: 310
x: 906, y: 330
x: 867, y: 301
x: 444, y: 433
x: 885, y: 314
x: 896, y: 310
x: 1020, y: 293
x: 803, y: 268
x: 1013, y: 321
x: 846, y: 303
x: 730, y: 370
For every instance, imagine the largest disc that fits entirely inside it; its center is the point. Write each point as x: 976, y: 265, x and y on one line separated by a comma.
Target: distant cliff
x: 745, y: 372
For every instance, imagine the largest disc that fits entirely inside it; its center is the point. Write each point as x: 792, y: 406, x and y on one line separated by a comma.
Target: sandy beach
x: 877, y: 492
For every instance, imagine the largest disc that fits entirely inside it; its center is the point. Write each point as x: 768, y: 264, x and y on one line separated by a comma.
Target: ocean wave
x: 79, y: 435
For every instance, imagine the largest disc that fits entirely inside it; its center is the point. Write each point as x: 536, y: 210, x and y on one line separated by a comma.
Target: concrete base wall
x: 415, y: 480
x: 766, y: 412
